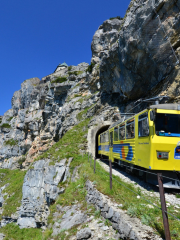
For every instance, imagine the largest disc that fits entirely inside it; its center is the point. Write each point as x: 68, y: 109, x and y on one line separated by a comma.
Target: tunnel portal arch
x: 93, y: 133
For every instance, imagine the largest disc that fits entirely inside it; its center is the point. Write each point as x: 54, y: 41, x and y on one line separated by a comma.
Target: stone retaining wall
x: 127, y: 227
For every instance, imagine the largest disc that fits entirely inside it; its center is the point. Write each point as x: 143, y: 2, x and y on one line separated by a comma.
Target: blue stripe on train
x: 117, y: 148
x: 103, y: 148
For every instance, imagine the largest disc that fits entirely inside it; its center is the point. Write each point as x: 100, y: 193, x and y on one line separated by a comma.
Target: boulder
x: 84, y: 233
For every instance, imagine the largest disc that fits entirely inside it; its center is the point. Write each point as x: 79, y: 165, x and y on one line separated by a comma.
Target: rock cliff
x: 133, y: 57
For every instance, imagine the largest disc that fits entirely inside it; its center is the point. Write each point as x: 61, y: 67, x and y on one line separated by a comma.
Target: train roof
x: 120, y: 121
x: 168, y: 106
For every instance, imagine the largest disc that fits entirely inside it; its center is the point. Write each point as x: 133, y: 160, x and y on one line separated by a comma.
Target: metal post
x: 94, y: 165
x: 110, y: 173
x: 163, y: 207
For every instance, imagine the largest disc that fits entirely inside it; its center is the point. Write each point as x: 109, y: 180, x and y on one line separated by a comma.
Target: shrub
x: 90, y: 67
x: 59, y: 80
x: 21, y: 160
x: 132, y: 211
x: 145, y: 219
x: 77, y: 95
x: 75, y: 73
x: 69, y: 68
x: 118, y: 17
x: 5, y: 125
x: 11, y: 142
x: 9, y: 119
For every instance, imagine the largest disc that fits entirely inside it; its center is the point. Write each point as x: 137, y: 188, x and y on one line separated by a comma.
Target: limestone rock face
x: 40, y: 189
x: 146, y: 46
x: 145, y: 54
x: 84, y: 233
x: 104, y: 37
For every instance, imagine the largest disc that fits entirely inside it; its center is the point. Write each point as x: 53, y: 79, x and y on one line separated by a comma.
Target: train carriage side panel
x: 103, y: 144
x: 143, y: 143
x: 124, y: 143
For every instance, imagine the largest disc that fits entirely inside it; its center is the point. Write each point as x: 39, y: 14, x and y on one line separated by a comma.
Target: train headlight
x: 162, y: 155
x: 178, y: 149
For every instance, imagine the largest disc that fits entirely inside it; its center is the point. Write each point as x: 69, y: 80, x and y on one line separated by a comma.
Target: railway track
x: 139, y: 183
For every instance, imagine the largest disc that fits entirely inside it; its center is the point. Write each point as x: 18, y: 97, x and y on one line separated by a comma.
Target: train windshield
x: 167, y: 125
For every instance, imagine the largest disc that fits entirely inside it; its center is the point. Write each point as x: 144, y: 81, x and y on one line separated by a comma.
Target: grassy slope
x: 68, y: 146
x: 14, y: 190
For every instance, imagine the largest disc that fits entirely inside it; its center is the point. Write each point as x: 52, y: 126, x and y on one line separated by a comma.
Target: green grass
x: 81, y: 100
x: 5, y: 125
x: 75, y: 73
x: 82, y: 113
x: 9, y: 119
x: 11, y: 142
x: 90, y: 67
x: 12, y: 231
x: 77, y: 95
x: 22, y: 159
x: 69, y: 68
x: 60, y: 80
x: 15, y: 179
x: 68, y: 145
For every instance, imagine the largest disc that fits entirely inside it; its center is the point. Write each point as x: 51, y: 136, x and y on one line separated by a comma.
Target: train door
x: 111, y: 145
x: 143, y: 141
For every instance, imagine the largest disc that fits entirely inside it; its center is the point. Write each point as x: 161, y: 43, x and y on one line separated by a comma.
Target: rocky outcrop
x: 40, y: 189
x: 72, y: 216
x: 84, y: 233
x: 127, y: 227
x: 148, y: 49
x: 106, y: 35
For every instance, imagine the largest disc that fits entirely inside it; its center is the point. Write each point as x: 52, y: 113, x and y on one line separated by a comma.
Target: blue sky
x: 37, y: 35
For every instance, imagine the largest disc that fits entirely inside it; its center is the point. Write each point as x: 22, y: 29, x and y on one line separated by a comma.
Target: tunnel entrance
x: 101, y: 130
x: 93, y: 133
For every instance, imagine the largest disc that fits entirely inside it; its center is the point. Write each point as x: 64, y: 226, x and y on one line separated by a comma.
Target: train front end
x: 165, y: 142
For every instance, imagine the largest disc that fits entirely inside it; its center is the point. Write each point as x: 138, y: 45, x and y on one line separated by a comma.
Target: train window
x: 167, y: 125
x: 107, y: 135
x: 100, y: 139
x: 116, y: 134
x: 122, y: 132
x: 143, y: 125
x: 130, y: 127
x: 103, y: 137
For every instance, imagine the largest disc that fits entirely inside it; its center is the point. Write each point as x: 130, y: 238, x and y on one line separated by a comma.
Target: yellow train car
x: 149, y: 140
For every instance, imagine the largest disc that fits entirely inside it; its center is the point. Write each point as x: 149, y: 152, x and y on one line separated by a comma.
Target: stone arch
x: 93, y: 133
